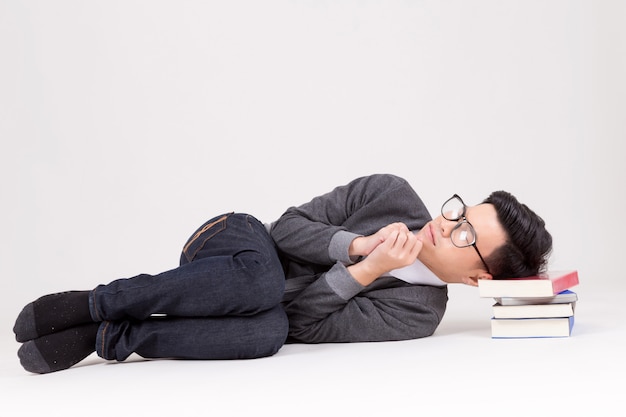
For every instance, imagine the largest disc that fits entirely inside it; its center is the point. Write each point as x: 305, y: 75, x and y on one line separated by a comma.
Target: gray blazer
x: 324, y: 303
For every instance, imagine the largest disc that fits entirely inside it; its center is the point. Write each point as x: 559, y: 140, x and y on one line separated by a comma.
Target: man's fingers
x: 417, y: 248
x: 401, y: 241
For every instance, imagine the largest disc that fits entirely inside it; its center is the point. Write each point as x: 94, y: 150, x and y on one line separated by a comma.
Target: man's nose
x: 446, y: 226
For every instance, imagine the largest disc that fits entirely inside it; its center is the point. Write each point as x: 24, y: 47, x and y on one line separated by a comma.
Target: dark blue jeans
x: 222, y: 302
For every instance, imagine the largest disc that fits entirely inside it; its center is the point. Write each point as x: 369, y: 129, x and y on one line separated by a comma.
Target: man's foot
x: 59, y: 350
x: 52, y: 313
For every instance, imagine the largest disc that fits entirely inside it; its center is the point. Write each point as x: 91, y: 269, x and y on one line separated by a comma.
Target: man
x: 364, y: 262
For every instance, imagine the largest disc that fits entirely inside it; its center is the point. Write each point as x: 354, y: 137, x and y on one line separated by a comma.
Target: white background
x: 125, y: 124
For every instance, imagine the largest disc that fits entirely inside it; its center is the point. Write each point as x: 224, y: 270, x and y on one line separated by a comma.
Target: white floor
x: 459, y: 369
x: 117, y: 115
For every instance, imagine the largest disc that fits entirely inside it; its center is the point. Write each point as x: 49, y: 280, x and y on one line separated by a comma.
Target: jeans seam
x: 106, y: 326
x: 200, y: 232
x: 95, y: 306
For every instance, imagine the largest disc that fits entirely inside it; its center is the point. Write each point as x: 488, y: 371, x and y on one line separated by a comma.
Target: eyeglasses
x: 463, y: 234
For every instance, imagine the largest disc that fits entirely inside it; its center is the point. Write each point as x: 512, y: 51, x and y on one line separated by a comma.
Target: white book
x: 566, y: 296
x: 531, y: 328
x: 544, y: 285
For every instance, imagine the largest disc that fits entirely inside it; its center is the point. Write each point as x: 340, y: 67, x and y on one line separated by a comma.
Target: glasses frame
x: 461, y: 219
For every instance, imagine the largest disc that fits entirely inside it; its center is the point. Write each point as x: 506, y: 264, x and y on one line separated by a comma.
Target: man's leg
x: 234, y: 270
x: 228, y: 267
x: 232, y: 337
x: 245, y: 337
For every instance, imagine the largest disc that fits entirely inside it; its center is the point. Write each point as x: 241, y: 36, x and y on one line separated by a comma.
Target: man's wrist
x: 354, y: 250
x: 363, y: 273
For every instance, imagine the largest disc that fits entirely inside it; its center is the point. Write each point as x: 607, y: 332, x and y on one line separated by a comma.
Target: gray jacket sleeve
x: 334, y: 307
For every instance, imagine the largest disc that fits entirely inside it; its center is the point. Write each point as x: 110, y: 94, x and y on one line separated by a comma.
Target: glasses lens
x: 463, y: 235
x: 453, y: 209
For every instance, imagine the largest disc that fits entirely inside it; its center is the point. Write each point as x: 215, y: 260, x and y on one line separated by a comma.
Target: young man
x: 364, y: 262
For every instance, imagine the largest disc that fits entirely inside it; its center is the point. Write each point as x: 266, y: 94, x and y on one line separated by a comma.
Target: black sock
x: 60, y: 350
x: 52, y: 313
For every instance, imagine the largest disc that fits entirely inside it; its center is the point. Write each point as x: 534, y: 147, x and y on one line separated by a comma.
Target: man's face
x: 453, y: 264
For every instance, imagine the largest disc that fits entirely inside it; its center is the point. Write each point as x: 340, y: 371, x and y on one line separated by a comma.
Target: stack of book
x: 539, y: 306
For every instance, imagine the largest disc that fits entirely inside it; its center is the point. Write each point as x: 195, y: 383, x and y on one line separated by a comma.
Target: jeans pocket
x: 204, y: 233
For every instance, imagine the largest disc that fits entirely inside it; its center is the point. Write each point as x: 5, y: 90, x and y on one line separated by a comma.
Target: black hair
x: 528, y: 244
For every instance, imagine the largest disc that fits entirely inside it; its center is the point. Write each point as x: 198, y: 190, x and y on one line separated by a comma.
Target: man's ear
x: 473, y: 280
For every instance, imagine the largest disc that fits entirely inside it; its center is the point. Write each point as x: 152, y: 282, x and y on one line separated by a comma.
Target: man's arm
x: 335, y: 309
x: 366, y: 218
x: 322, y: 231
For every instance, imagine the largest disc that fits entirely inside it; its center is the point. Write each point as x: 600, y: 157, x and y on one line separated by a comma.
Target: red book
x: 544, y: 285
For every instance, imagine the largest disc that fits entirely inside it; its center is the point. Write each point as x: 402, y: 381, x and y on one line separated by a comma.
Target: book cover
x: 544, y: 285
x: 531, y: 328
x: 566, y: 296
x: 533, y: 310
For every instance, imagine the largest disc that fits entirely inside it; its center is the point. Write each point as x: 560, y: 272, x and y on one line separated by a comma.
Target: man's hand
x: 392, y: 247
x: 364, y: 245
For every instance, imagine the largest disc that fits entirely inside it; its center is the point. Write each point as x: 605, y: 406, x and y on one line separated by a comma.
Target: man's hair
x: 528, y: 244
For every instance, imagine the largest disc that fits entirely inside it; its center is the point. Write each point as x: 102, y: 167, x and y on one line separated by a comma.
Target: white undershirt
x: 417, y: 273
